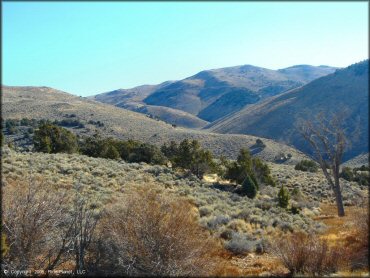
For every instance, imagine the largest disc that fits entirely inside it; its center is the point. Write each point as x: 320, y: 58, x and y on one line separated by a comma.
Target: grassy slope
x: 47, y: 103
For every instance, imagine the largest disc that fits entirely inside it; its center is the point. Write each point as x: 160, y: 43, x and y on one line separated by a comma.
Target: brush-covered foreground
x: 145, y: 201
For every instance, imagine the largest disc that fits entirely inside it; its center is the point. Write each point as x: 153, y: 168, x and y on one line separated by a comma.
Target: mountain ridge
x: 212, y: 94
x: 277, y: 117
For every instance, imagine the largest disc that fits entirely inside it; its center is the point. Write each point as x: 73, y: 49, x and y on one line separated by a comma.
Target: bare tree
x: 328, y: 140
x: 84, y: 217
x: 45, y: 226
x: 33, y: 222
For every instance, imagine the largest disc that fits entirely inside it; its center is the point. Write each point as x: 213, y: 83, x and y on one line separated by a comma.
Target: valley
x: 233, y: 202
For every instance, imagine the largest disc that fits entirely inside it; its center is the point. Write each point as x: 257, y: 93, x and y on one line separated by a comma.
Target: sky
x: 87, y: 48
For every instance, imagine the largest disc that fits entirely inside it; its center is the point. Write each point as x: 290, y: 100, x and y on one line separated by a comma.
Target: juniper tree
x: 249, y: 187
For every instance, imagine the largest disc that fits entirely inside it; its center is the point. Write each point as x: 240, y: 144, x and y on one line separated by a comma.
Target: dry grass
x: 350, y: 232
x: 307, y: 254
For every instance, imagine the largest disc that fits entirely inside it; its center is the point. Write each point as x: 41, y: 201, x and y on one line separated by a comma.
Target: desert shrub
x: 46, y: 226
x: 152, y: 234
x: 189, y: 155
x: 146, y: 153
x: 241, y: 168
x: 96, y: 123
x: 109, y: 151
x: 33, y: 223
x: 9, y: 123
x: 295, y: 209
x: 358, y: 242
x: 170, y: 150
x: 362, y: 168
x: 283, y: 197
x: 49, y: 138
x: 259, y: 143
x: 249, y: 188
x: 70, y: 123
x: 306, y: 254
x: 262, y: 172
x: 240, y: 244
x: 306, y: 166
x: 216, y: 221
x: 125, y: 148
x: 96, y: 146
x: 346, y: 174
x: 245, y: 166
x: 362, y: 178
x: 205, y: 211
x: 222, y: 164
x: 359, y: 175
x: 131, y: 151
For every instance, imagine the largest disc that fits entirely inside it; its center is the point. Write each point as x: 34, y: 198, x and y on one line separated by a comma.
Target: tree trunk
x: 337, y: 191
x: 339, y: 201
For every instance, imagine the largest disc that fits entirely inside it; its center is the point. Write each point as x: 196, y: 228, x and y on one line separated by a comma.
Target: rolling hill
x: 213, y: 94
x: 48, y: 103
x: 277, y: 117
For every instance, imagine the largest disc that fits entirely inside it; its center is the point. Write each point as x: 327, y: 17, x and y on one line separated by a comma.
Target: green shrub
x: 260, y: 144
x: 239, y: 170
x: 125, y: 148
x: 245, y: 166
x: 347, y: 174
x: 306, y: 166
x: 283, y: 197
x: 189, y: 155
x: 262, y: 172
x: 70, y: 123
x: 146, y: 153
x: 249, y: 188
x: 110, y: 152
x: 49, y: 138
x: 359, y: 175
x: 170, y: 151
x: 131, y: 151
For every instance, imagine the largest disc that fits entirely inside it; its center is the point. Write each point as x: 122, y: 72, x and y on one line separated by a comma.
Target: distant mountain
x: 358, y: 161
x: 277, y: 117
x: 48, y: 103
x: 122, y: 96
x: 213, y: 94
x: 132, y: 99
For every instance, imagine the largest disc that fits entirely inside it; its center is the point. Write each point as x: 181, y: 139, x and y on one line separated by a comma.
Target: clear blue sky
x: 86, y: 48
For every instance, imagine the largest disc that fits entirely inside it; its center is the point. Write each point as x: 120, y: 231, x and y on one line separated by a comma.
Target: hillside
x: 213, y: 94
x: 277, y: 118
x: 169, y: 115
x: 48, y: 103
x: 358, y: 161
x: 245, y: 229
x: 105, y: 178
